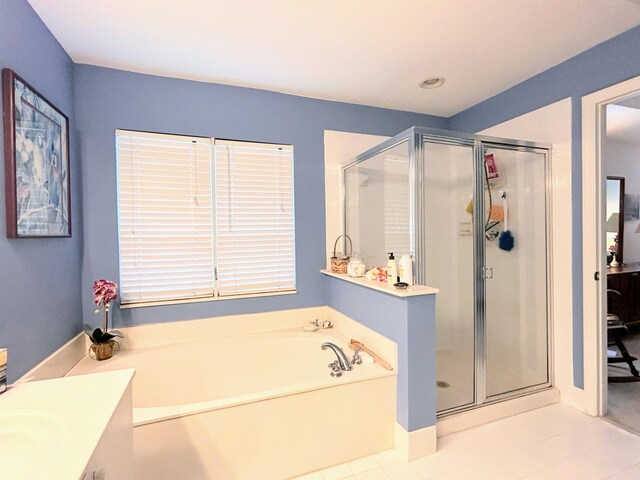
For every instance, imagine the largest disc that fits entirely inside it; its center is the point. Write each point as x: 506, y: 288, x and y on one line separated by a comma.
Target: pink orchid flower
x: 104, y: 292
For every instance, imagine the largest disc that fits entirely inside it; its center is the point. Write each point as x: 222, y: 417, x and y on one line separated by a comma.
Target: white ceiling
x: 371, y: 52
x: 623, y: 123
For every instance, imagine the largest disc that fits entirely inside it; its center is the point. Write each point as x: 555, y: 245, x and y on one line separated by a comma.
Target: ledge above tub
x: 412, y: 291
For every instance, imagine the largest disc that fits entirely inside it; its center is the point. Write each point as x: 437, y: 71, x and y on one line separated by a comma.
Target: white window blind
x: 164, y: 217
x: 397, y: 203
x: 254, y: 217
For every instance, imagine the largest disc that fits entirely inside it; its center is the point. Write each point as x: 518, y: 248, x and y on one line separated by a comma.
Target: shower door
x: 491, y: 311
x: 515, y: 287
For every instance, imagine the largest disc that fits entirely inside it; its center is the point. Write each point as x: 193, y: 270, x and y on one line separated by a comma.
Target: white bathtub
x: 255, y: 406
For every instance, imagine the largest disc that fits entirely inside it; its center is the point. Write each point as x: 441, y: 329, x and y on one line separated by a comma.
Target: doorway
x: 621, y: 150
x: 610, y: 259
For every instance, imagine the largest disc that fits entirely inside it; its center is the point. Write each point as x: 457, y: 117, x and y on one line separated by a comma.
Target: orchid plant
x: 104, y: 292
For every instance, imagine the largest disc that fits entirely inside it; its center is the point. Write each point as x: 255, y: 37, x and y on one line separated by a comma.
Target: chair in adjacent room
x: 616, y: 330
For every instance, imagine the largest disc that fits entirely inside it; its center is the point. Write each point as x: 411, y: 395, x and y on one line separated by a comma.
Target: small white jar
x: 356, y: 267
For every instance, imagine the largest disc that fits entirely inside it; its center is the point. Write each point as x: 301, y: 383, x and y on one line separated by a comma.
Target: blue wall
x: 604, y: 65
x: 108, y: 99
x: 411, y: 323
x: 42, y: 279
x: 39, y: 278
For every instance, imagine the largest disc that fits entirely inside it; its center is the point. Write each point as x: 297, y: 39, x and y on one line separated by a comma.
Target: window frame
x: 131, y: 304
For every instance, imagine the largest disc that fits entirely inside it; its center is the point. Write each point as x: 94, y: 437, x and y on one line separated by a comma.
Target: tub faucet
x: 342, y: 362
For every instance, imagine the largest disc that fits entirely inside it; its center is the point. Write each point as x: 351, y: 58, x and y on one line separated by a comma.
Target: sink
x: 27, y: 435
x: 52, y: 429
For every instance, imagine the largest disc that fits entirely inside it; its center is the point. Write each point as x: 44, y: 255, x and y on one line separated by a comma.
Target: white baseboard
x: 496, y: 411
x: 416, y: 444
x: 59, y: 362
x: 575, y: 397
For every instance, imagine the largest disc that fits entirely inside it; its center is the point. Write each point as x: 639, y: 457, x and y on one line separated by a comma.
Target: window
x: 397, y: 201
x: 254, y: 217
x: 201, y: 218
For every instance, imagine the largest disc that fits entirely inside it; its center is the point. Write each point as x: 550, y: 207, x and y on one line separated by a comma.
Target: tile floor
x: 623, y: 397
x: 551, y: 443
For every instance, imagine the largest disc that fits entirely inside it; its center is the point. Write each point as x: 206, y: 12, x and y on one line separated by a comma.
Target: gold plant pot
x: 103, y: 351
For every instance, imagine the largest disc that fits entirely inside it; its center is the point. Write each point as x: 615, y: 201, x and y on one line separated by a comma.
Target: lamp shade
x: 613, y: 223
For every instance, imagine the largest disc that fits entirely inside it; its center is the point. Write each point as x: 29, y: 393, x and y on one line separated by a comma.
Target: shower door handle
x: 488, y: 272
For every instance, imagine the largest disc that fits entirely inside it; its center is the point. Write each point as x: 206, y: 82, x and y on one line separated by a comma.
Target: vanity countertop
x: 50, y: 429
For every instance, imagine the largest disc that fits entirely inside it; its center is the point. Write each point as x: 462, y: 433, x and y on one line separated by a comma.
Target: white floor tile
x: 587, y: 438
x: 628, y: 447
x: 454, y: 475
x: 386, y: 457
x: 400, y: 471
x: 363, y: 464
x: 551, y: 443
x: 605, y: 461
x: 375, y: 474
x: 337, y: 473
x: 536, y: 458
x: 632, y: 473
x: 556, y: 419
x: 490, y: 471
x: 557, y: 472
x: 444, y: 460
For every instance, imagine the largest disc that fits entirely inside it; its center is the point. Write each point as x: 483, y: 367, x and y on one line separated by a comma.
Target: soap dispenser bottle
x: 392, y: 270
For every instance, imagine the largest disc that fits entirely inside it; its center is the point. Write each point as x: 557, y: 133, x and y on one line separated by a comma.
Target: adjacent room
x: 623, y: 257
x: 320, y: 241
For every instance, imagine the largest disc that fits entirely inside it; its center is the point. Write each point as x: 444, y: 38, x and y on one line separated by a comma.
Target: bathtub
x: 254, y: 406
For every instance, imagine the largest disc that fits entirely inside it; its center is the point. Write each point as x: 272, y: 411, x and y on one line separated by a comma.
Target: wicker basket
x: 339, y: 265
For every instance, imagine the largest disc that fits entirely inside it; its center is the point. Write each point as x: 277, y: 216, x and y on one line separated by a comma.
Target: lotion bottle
x: 392, y: 270
x: 406, y: 270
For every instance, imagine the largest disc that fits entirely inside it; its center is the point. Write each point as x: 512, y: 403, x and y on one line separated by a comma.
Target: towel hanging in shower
x: 497, y: 213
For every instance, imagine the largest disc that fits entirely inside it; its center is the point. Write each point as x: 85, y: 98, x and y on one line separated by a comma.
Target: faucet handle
x: 336, y: 371
x: 323, y: 323
x: 357, y: 359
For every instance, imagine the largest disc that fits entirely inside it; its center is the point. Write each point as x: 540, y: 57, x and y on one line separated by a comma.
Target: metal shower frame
x: 416, y: 137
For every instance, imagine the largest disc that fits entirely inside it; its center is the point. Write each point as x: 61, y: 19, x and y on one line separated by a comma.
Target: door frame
x: 593, y: 231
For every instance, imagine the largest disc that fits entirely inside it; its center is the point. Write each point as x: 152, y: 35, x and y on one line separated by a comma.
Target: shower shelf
x: 412, y: 291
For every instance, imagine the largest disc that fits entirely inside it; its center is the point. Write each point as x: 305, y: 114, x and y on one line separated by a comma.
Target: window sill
x: 127, y: 306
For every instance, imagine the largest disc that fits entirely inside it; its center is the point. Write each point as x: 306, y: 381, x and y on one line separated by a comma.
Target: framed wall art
x: 36, y: 149
x: 631, y: 207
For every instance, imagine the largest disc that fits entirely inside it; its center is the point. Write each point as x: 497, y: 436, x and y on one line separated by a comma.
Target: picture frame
x: 36, y: 150
x: 631, y: 207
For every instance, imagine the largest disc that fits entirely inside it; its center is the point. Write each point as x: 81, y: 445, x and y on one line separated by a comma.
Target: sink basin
x: 26, y: 435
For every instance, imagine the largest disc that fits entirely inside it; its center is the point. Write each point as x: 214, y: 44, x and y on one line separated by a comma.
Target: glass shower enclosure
x: 472, y: 212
